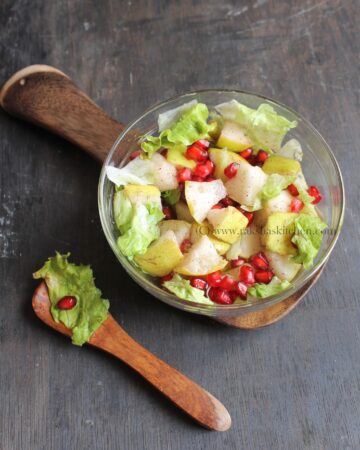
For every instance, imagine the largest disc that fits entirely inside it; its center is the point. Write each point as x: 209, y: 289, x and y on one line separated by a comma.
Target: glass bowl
x: 319, y: 165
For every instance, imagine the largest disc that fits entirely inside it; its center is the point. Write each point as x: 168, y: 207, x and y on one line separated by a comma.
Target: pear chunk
x: 165, y: 173
x: 222, y: 158
x: 201, y: 259
x: 233, y: 137
x: 247, y: 245
x: 228, y: 223
x: 162, y: 255
x: 281, y: 203
x: 281, y: 165
x: 205, y: 229
x: 282, y: 266
x: 142, y: 194
x: 202, y: 196
x: 278, y: 231
x: 246, y: 184
x: 180, y: 228
x: 183, y: 212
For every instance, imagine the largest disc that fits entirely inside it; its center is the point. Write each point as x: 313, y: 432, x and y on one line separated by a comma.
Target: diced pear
x: 162, y: 255
x: 246, y: 184
x: 222, y: 158
x: 228, y: 223
x: 278, y: 231
x: 281, y: 165
x: 176, y: 156
x: 247, y: 245
x: 201, y: 259
x: 142, y: 194
x: 205, y: 229
x: 165, y: 173
x: 233, y: 137
x: 183, y: 212
x: 180, y: 228
x: 282, y: 265
x: 201, y: 197
x: 281, y: 203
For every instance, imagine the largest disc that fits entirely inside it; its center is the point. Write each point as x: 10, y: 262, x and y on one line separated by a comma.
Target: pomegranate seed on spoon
x: 67, y: 302
x: 264, y: 276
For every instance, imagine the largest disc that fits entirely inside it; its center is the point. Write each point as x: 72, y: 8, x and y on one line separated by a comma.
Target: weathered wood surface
x: 293, y: 385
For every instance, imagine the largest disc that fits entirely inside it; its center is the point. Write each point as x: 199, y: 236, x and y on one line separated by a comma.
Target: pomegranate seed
x: 183, y: 175
x: 218, y: 295
x: 134, y: 154
x: 246, y: 275
x: 208, y: 179
x: 293, y: 190
x: 241, y: 290
x: 227, y: 201
x: 167, y: 212
x: 67, y: 302
x: 314, y: 192
x: 231, y: 170
x: 198, y: 179
x: 296, y: 205
x: 164, y: 152
x: 237, y: 262
x: 196, y: 153
x: 261, y: 157
x: 202, y: 170
x: 227, y: 283
x: 217, y: 206
x: 233, y: 295
x: 198, y: 283
x: 246, y: 153
x: 249, y: 215
x: 252, y: 160
x: 214, y: 279
x: 264, y: 276
x: 167, y: 277
x: 203, y: 143
x: 185, y: 245
x: 210, y: 165
x: 260, y: 261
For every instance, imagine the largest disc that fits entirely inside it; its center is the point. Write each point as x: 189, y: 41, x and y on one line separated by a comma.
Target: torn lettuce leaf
x: 189, y: 127
x: 183, y: 289
x: 122, y: 209
x: 168, y: 118
x: 264, y: 126
x: 275, y: 286
x: 308, y: 238
x: 63, y: 278
x: 171, y: 197
x: 292, y: 150
x: 137, y: 171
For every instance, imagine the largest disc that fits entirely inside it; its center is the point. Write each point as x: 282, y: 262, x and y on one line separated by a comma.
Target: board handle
x: 45, y: 96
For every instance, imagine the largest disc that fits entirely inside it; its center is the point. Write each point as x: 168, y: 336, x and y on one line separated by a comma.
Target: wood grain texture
x: 294, y: 385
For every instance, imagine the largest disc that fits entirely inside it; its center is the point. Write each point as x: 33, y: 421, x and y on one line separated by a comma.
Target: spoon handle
x: 187, y: 395
x: 48, y: 98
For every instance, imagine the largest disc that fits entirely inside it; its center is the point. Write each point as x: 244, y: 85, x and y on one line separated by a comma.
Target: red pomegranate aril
x: 208, y: 179
x: 259, y: 261
x: 249, y: 215
x: 198, y: 283
x: 264, y: 276
x: 214, y: 279
x: 252, y: 160
x: 202, y: 171
x: 203, y: 143
x: 296, y: 205
x: 246, y: 153
x: 218, y: 295
x: 167, y: 212
x: 210, y: 165
x: 227, y: 283
x: 237, y: 262
x: 227, y: 201
x: 134, y: 154
x: 247, y: 275
x: 185, y: 245
x: 233, y: 295
x: 231, y: 170
x: 67, y: 302
x: 196, y: 153
x: 314, y: 192
x: 261, y: 156
x: 183, y: 175
x: 217, y: 206
x: 167, y: 277
x: 164, y: 152
x: 241, y: 290
x: 293, y: 190
x: 196, y: 178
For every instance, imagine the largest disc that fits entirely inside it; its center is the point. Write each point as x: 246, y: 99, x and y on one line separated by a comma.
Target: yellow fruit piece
x: 180, y: 228
x: 228, y: 223
x: 205, y: 229
x: 176, y: 156
x: 183, y: 212
x: 277, y: 233
x: 233, y: 137
x: 222, y: 158
x: 201, y: 197
x: 142, y: 194
x: 281, y: 165
x: 161, y: 257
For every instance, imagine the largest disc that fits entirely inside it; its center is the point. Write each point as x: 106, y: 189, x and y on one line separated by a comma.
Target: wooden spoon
x: 48, y: 98
x: 111, y: 338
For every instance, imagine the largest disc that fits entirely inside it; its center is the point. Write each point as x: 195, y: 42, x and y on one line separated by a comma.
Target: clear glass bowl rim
x: 215, y: 310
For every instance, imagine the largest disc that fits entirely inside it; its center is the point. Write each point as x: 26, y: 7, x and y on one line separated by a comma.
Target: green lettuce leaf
x: 63, y: 278
x: 122, y: 211
x: 168, y: 118
x: 183, y: 289
x: 292, y: 150
x: 189, y: 127
x: 308, y: 238
x: 141, y: 229
x: 265, y: 127
x: 275, y: 286
x: 137, y: 171
x: 171, y: 197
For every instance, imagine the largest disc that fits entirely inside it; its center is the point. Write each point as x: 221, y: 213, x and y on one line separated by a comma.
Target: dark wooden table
x: 294, y: 385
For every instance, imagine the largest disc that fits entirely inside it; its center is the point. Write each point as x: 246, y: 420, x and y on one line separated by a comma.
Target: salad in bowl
x: 213, y: 206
